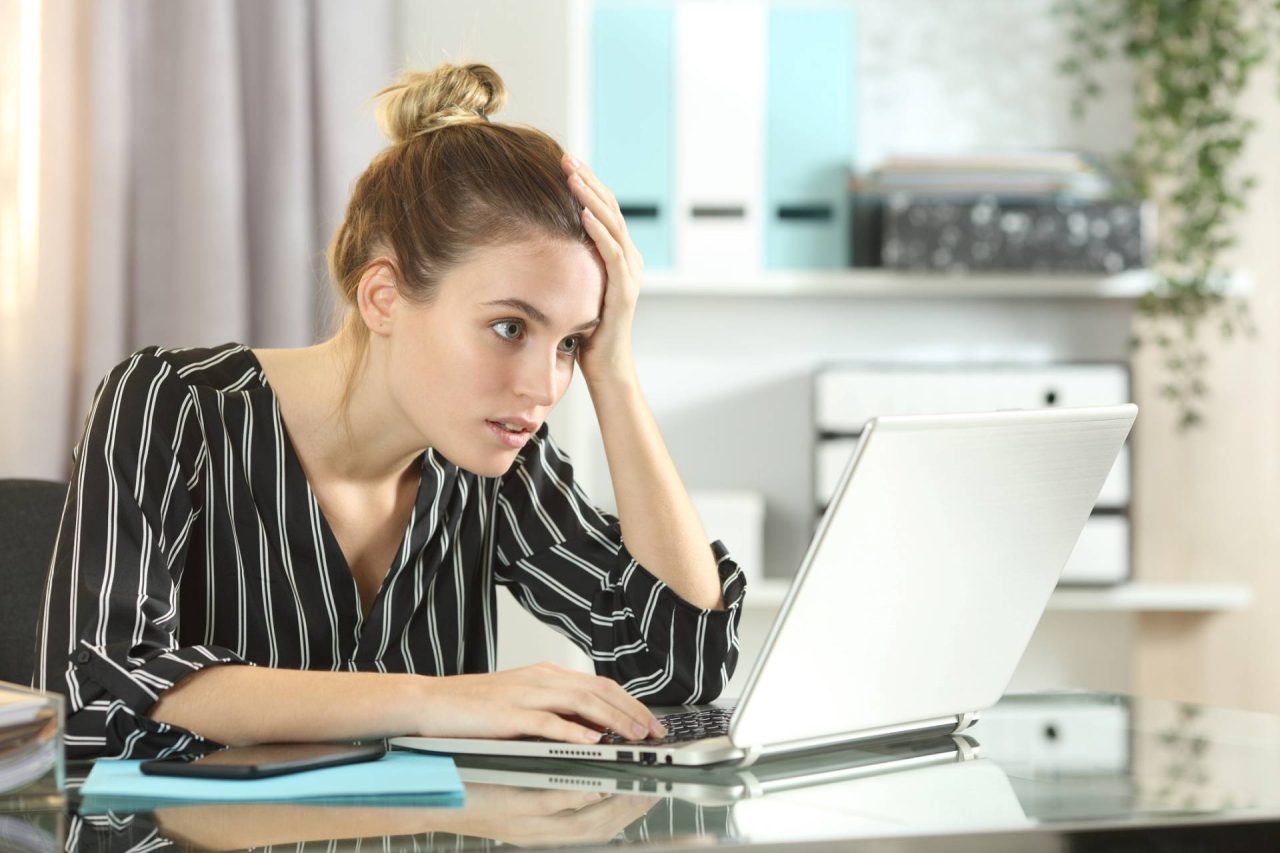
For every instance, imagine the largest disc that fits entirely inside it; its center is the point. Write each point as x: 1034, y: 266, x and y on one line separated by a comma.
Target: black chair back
x: 30, y: 511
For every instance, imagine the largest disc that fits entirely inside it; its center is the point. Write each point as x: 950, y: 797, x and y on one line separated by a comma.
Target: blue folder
x: 398, y: 778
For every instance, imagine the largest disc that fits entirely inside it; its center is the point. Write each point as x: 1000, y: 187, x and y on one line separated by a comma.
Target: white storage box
x: 846, y: 398
x: 736, y: 517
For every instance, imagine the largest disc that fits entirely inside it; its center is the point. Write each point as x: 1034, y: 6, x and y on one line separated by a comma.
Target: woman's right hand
x: 544, y: 700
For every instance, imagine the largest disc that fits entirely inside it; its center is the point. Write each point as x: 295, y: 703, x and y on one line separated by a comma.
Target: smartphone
x: 263, y: 760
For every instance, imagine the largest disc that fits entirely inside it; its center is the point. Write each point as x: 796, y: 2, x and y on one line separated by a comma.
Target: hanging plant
x: 1191, y: 61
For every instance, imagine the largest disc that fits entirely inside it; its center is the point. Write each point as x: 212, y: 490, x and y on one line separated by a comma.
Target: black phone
x: 263, y: 760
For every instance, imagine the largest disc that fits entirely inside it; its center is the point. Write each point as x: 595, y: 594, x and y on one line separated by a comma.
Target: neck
x: 367, y: 441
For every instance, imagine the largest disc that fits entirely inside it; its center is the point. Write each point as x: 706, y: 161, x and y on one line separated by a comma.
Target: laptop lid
x: 929, y: 571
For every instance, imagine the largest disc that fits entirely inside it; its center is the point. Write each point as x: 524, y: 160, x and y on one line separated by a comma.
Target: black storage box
x: 990, y: 234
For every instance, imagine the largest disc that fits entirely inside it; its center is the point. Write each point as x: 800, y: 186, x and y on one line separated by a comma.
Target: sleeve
x: 566, y: 563
x: 106, y: 638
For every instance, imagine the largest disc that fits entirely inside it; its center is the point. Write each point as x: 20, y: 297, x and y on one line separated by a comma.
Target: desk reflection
x: 1050, y: 768
x: 500, y: 814
x: 534, y: 803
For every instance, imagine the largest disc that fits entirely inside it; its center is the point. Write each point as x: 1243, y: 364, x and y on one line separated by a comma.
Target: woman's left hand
x: 608, y: 355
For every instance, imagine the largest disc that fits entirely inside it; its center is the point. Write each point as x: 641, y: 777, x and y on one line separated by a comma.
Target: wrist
x: 613, y: 375
x: 417, y: 699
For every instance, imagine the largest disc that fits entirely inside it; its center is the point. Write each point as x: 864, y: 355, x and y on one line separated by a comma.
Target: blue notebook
x: 398, y: 778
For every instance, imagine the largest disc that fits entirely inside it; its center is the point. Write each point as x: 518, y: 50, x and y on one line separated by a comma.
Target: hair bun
x: 423, y: 101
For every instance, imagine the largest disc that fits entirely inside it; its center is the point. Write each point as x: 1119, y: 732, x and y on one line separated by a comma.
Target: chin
x: 487, y: 465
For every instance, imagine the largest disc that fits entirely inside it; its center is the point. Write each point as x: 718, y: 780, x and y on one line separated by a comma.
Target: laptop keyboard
x: 684, y: 726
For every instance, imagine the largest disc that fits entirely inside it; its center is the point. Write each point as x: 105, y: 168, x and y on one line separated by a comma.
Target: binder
x: 809, y: 135
x: 720, y: 51
x: 632, y: 137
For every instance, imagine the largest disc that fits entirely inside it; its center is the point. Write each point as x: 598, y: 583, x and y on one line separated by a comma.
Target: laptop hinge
x: 924, y: 728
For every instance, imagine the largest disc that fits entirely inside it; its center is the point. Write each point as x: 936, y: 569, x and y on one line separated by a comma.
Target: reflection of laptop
x: 718, y: 784
x: 918, y: 594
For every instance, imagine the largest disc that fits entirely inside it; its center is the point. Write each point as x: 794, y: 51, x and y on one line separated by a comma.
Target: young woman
x: 337, y: 516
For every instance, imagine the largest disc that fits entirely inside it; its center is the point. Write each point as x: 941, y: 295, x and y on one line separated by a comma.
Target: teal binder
x: 396, y: 778
x: 631, y: 109
x: 809, y: 135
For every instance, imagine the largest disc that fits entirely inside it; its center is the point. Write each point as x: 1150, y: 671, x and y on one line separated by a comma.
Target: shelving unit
x: 889, y: 283
x: 1147, y: 597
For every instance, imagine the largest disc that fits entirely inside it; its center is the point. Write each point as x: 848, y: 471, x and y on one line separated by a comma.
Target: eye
x: 571, y: 345
x: 509, y: 330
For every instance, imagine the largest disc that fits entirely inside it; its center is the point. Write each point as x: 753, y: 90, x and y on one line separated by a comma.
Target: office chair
x: 30, y: 511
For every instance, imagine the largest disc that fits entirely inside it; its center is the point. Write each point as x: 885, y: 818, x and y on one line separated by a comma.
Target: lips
x: 512, y: 432
x: 516, y: 425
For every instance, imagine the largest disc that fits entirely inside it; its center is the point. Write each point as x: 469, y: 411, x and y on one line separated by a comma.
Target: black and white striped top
x: 191, y: 537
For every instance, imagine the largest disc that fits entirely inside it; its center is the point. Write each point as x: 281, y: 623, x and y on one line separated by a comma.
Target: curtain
x: 194, y: 159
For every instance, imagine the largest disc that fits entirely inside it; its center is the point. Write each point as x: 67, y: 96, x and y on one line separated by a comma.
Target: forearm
x: 239, y: 705
x: 659, y: 523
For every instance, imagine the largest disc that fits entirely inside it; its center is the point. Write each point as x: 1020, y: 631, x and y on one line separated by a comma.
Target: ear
x: 377, y: 297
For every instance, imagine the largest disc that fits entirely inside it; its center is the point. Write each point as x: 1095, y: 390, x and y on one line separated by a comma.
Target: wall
x: 728, y: 377
x: 1208, y: 500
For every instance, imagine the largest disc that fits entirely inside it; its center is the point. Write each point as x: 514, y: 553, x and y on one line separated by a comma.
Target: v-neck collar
x: 434, y: 482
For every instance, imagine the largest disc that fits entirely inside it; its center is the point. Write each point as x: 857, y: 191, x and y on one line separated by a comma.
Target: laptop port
x: 648, y: 758
x: 650, y: 785
x: 626, y: 756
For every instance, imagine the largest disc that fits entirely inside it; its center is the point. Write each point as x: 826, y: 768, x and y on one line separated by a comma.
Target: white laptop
x: 915, y: 600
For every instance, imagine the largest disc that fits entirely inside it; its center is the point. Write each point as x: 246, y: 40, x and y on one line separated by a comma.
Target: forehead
x: 564, y: 280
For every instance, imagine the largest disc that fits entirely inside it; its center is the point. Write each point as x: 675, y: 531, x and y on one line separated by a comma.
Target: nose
x: 538, y: 377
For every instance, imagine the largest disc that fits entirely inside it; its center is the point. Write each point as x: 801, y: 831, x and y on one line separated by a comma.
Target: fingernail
x: 637, y: 731
x: 591, y: 736
x: 573, y: 161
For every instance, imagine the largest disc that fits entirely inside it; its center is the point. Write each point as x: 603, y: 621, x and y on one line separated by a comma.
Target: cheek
x: 565, y: 379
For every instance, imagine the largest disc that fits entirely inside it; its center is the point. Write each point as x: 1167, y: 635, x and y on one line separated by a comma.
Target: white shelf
x: 887, y: 283
x: 1167, y: 596
x: 1151, y: 596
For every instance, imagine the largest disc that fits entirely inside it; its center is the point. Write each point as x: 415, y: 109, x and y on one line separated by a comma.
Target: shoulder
x: 226, y: 367
x: 221, y: 368
x: 158, y: 384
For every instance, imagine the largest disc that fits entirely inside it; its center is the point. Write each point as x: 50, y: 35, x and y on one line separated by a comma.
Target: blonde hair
x: 451, y: 182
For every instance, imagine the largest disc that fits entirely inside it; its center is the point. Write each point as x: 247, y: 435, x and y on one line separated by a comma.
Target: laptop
x: 915, y: 600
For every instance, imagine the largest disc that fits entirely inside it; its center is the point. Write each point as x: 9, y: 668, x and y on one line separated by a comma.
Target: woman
x: 338, y: 515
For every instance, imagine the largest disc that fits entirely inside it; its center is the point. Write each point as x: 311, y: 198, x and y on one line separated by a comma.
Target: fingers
x: 609, y: 247
x: 600, y: 202
x: 596, y: 205
x: 596, y: 698
x: 595, y: 709
x: 554, y: 727
x: 574, y: 166
x: 633, y: 706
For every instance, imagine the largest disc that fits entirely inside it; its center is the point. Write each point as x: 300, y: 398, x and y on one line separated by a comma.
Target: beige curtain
x: 194, y: 158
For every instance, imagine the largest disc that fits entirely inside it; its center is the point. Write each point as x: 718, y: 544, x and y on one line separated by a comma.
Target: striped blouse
x: 191, y: 537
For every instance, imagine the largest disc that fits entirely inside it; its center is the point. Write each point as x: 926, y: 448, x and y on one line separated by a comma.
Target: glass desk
x: 1045, y: 771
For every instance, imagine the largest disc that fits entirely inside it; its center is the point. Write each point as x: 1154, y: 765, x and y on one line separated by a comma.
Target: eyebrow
x: 537, y: 316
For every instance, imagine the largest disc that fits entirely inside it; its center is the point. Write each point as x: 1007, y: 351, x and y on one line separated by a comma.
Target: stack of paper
x: 1003, y: 174
x: 30, y: 742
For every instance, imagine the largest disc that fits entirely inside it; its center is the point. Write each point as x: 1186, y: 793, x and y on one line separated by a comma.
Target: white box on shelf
x: 1101, y: 554
x: 847, y: 397
x: 736, y: 517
